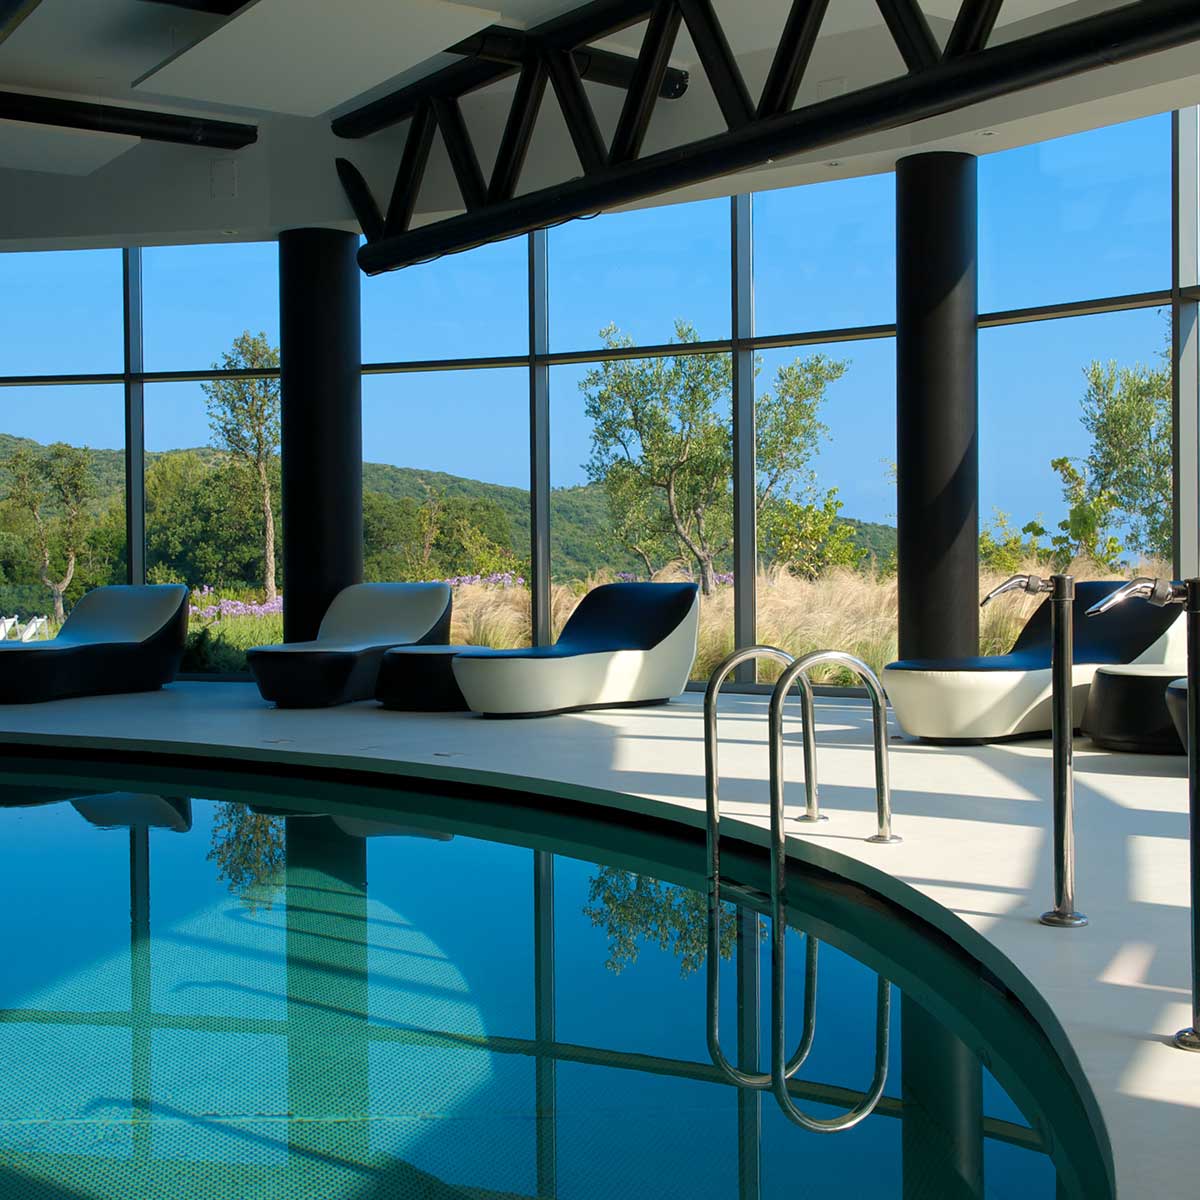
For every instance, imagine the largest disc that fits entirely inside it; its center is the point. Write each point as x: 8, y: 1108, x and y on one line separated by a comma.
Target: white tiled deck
x: 975, y: 823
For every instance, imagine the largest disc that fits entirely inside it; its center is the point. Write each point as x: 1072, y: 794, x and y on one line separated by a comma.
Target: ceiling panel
x: 28, y: 147
x: 304, y: 57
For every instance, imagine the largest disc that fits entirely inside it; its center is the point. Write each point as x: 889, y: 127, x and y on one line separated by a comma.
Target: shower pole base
x: 1187, y: 1039
x: 1063, y: 920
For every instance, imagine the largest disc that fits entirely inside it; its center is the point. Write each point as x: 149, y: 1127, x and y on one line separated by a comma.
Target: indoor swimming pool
x: 271, y: 988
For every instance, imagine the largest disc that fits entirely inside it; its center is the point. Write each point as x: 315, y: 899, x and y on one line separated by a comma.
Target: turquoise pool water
x: 300, y: 998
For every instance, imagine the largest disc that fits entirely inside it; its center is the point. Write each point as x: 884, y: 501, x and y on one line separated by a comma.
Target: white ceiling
x: 57, y: 151
x: 303, y: 57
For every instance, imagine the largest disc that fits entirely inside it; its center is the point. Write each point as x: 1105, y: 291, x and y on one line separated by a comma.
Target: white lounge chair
x: 341, y: 664
x: 625, y: 644
x: 986, y: 699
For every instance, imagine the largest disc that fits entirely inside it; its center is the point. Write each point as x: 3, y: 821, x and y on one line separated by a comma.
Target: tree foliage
x: 662, y: 451
x: 243, y: 415
x: 57, y: 476
x: 1127, y: 411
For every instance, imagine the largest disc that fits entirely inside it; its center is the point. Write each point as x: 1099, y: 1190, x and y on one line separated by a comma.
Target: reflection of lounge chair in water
x: 122, y: 810
x: 360, y: 827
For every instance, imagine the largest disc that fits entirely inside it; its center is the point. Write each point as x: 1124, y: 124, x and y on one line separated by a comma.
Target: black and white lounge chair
x: 131, y: 810
x: 116, y: 639
x: 999, y: 696
x: 625, y: 644
x: 342, y: 663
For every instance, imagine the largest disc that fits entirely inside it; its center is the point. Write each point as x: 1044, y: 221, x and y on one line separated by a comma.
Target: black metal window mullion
x: 135, y: 416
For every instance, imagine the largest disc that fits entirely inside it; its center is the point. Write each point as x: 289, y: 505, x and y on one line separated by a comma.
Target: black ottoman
x: 1177, y: 701
x: 1127, y: 710
x: 420, y: 679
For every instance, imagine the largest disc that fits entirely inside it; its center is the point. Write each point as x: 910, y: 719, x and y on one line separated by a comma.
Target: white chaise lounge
x: 116, y: 639
x: 625, y: 644
x: 1000, y: 696
x: 342, y: 663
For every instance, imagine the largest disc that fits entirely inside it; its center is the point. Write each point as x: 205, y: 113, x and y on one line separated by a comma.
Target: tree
x: 1127, y: 410
x: 661, y: 446
x: 57, y: 477
x: 243, y: 415
x: 1085, y: 531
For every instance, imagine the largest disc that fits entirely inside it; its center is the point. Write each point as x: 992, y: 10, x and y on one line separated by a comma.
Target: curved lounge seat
x: 341, y: 664
x: 117, y: 639
x: 1008, y: 695
x: 626, y: 643
x: 1177, y: 706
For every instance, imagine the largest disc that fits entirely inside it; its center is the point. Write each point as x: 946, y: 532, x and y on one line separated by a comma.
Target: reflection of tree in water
x: 248, y: 850
x: 633, y: 908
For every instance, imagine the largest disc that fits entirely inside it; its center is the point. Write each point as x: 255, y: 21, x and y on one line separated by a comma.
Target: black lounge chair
x: 999, y: 696
x: 625, y: 644
x: 341, y: 665
x: 117, y: 639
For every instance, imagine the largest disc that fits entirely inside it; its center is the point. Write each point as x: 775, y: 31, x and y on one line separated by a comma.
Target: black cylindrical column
x: 321, y: 423
x: 937, y: 452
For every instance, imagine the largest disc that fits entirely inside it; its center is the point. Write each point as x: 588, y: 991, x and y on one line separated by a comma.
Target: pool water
x: 201, y: 999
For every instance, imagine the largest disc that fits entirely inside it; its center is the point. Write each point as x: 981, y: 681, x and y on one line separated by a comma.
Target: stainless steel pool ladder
x: 783, y: 1067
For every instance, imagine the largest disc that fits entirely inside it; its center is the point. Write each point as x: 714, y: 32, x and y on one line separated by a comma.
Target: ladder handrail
x: 799, y: 670
x: 745, y: 1079
x: 782, y: 1068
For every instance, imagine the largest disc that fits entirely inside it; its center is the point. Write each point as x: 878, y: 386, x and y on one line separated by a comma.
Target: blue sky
x: 1077, y: 217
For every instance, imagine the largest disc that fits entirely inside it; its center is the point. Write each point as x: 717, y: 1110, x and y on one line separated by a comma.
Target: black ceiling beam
x: 718, y: 62
x: 366, y: 211
x: 576, y: 110
x: 567, y: 32
x: 646, y: 85
x: 407, y: 185
x: 12, y: 13
x: 460, y: 150
x: 134, y: 122
x: 518, y: 131
x: 1115, y: 36
x: 972, y: 27
x: 791, y: 56
x: 218, y: 8
x: 911, y: 33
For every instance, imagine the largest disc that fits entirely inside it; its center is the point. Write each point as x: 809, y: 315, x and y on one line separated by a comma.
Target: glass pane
x: 205, y: 516
x: 826, y: 418
x: 1075, y: 416
x: 609, y: 514
x: 1077, y: 217
x: 461, y: 306
x: 197, y: 299
x: 642, y: 271
x: 825, y: 255
x: 62, y: 492
x: 446, y: 492
x: 61, y: 313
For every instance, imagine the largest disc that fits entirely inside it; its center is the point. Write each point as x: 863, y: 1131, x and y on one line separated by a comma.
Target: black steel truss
x: 937, y: 81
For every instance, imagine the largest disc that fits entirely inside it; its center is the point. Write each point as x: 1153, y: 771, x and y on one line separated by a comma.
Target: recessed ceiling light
x: 987, y: 133
x: 834, y: 163
x: 229, y: 232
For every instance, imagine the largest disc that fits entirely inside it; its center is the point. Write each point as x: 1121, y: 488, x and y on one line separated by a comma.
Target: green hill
x: 578, y: 515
